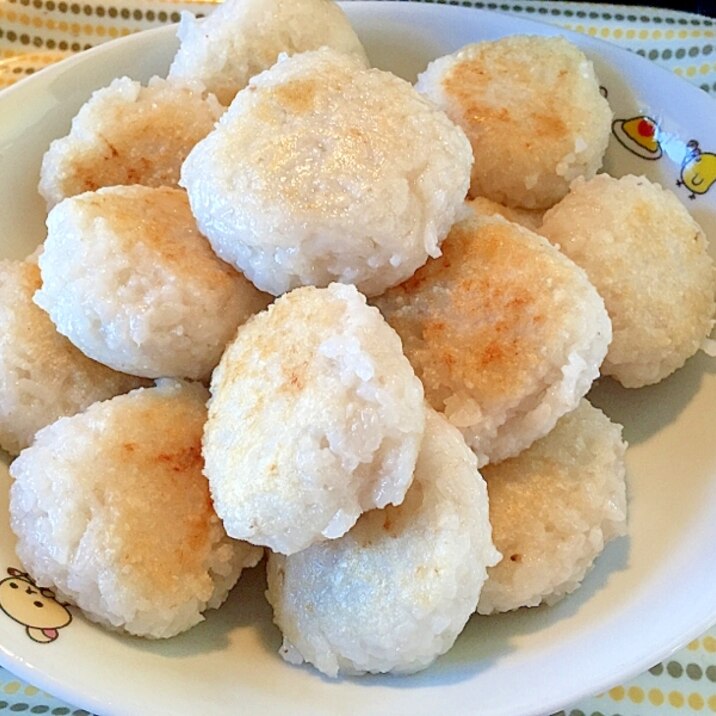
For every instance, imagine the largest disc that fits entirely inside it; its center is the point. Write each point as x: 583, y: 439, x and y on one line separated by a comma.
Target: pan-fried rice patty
x: 111, y: 510
x: 553, y: 508
x: 505, y: 332
x: 324, y: 171
x: 394, y: 592
x: 532, y: 110
x: 315, y: 417
x: 244, y: 37
x: 146, y: 296
x: 649, y: 260
x: 128, y: 134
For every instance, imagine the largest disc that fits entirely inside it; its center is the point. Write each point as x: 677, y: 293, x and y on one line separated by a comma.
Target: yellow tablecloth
x: 34, y: 33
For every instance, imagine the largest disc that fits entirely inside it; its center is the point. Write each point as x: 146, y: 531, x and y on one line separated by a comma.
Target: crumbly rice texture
x: 553, y: 508
x: 393, y: 593
x: 128, y: 278
x: 532, y: 109
x: 42, y: 375
x: 241, y: 38
x: 315, y: 417
x: 111, y: 510
x: 128, y: 134
x: 323, y: 171
x: 649, y: 260
x: 506, y: 333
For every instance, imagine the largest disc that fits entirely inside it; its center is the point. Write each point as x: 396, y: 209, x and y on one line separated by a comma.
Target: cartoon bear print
x: 34, y: 607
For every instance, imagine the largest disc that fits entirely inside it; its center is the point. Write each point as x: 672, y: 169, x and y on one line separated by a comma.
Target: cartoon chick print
x: 34, y: 607
x: 698, y: 170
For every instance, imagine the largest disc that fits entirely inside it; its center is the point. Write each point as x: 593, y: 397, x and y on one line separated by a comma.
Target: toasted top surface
x: 494, y: 315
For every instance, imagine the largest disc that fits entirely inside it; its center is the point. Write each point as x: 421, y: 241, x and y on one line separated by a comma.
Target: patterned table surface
x: 34, y: 33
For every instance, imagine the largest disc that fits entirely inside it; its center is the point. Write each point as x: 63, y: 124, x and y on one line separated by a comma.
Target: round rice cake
x: 532, y: 110
x: 505, y: 333
x: 553, y: 508
x: 315, y: 417
x: 323, y: 171
x: 241, y: 38
x: 112, y: 511
x: 393, y: 593
x: 42, y: 375
x: 146, y: 296
x: 128, y: 134
x: 649, y: 260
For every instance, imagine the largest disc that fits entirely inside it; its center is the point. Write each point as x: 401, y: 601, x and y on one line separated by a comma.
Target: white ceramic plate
x: 649, y: 593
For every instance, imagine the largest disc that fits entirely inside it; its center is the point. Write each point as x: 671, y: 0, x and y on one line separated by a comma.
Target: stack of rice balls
x: 292, y: 306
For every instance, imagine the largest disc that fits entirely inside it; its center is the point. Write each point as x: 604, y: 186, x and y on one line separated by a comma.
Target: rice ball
x: 649, y: 260
x: 553, y: 508
x: 128, y: 134
x: 128, y: 278
x: 394, y: 593
x: 505, y: 333
x: 112, y: 511
x: 244, y: 37
x: 42, y: 375
x: 322, y: 171
x: 315, y: 417
x: 533, y: 112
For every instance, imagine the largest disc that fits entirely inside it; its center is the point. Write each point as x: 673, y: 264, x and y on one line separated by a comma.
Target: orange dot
x: 643, y: 34
x: 605, y: 32
x: 631, y: 34
x: 101, y: 30
x: 112, y: 30
x: 617, y: 693
x: 656, y: 697
x: 618, y: 33
x: 11, y: 17
x: 592, y: 31
x: 670, y: 34
x: 676, y: 699
x: 656, y: 34
x: 696, y: 701
x: 88, y: 29
x: 635, y: 694
x: 712, y: 703
x: 693, y: 645
x: 710, y: 644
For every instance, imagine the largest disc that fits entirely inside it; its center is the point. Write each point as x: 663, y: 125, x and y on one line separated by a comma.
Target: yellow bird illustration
x: 698, y: 170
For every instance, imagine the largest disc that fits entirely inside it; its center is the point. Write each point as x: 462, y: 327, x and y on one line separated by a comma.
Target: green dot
x: 666, y: 54
x: 680, y: 53
x: 693, y: 51
x: 711, y: 670
x: 61, y: 711
x: 576, y: 712
x: 41, y: 709
x: 17, y: 708
x: 653, y: 54
x: 3, y: 705
x: 599, y: 713
x: 657, y: 669
x: 707, y: 49
x: 694, y: 671
x: 675, y: 669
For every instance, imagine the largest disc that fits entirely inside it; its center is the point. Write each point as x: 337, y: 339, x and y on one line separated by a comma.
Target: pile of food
x: 291, y: 306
